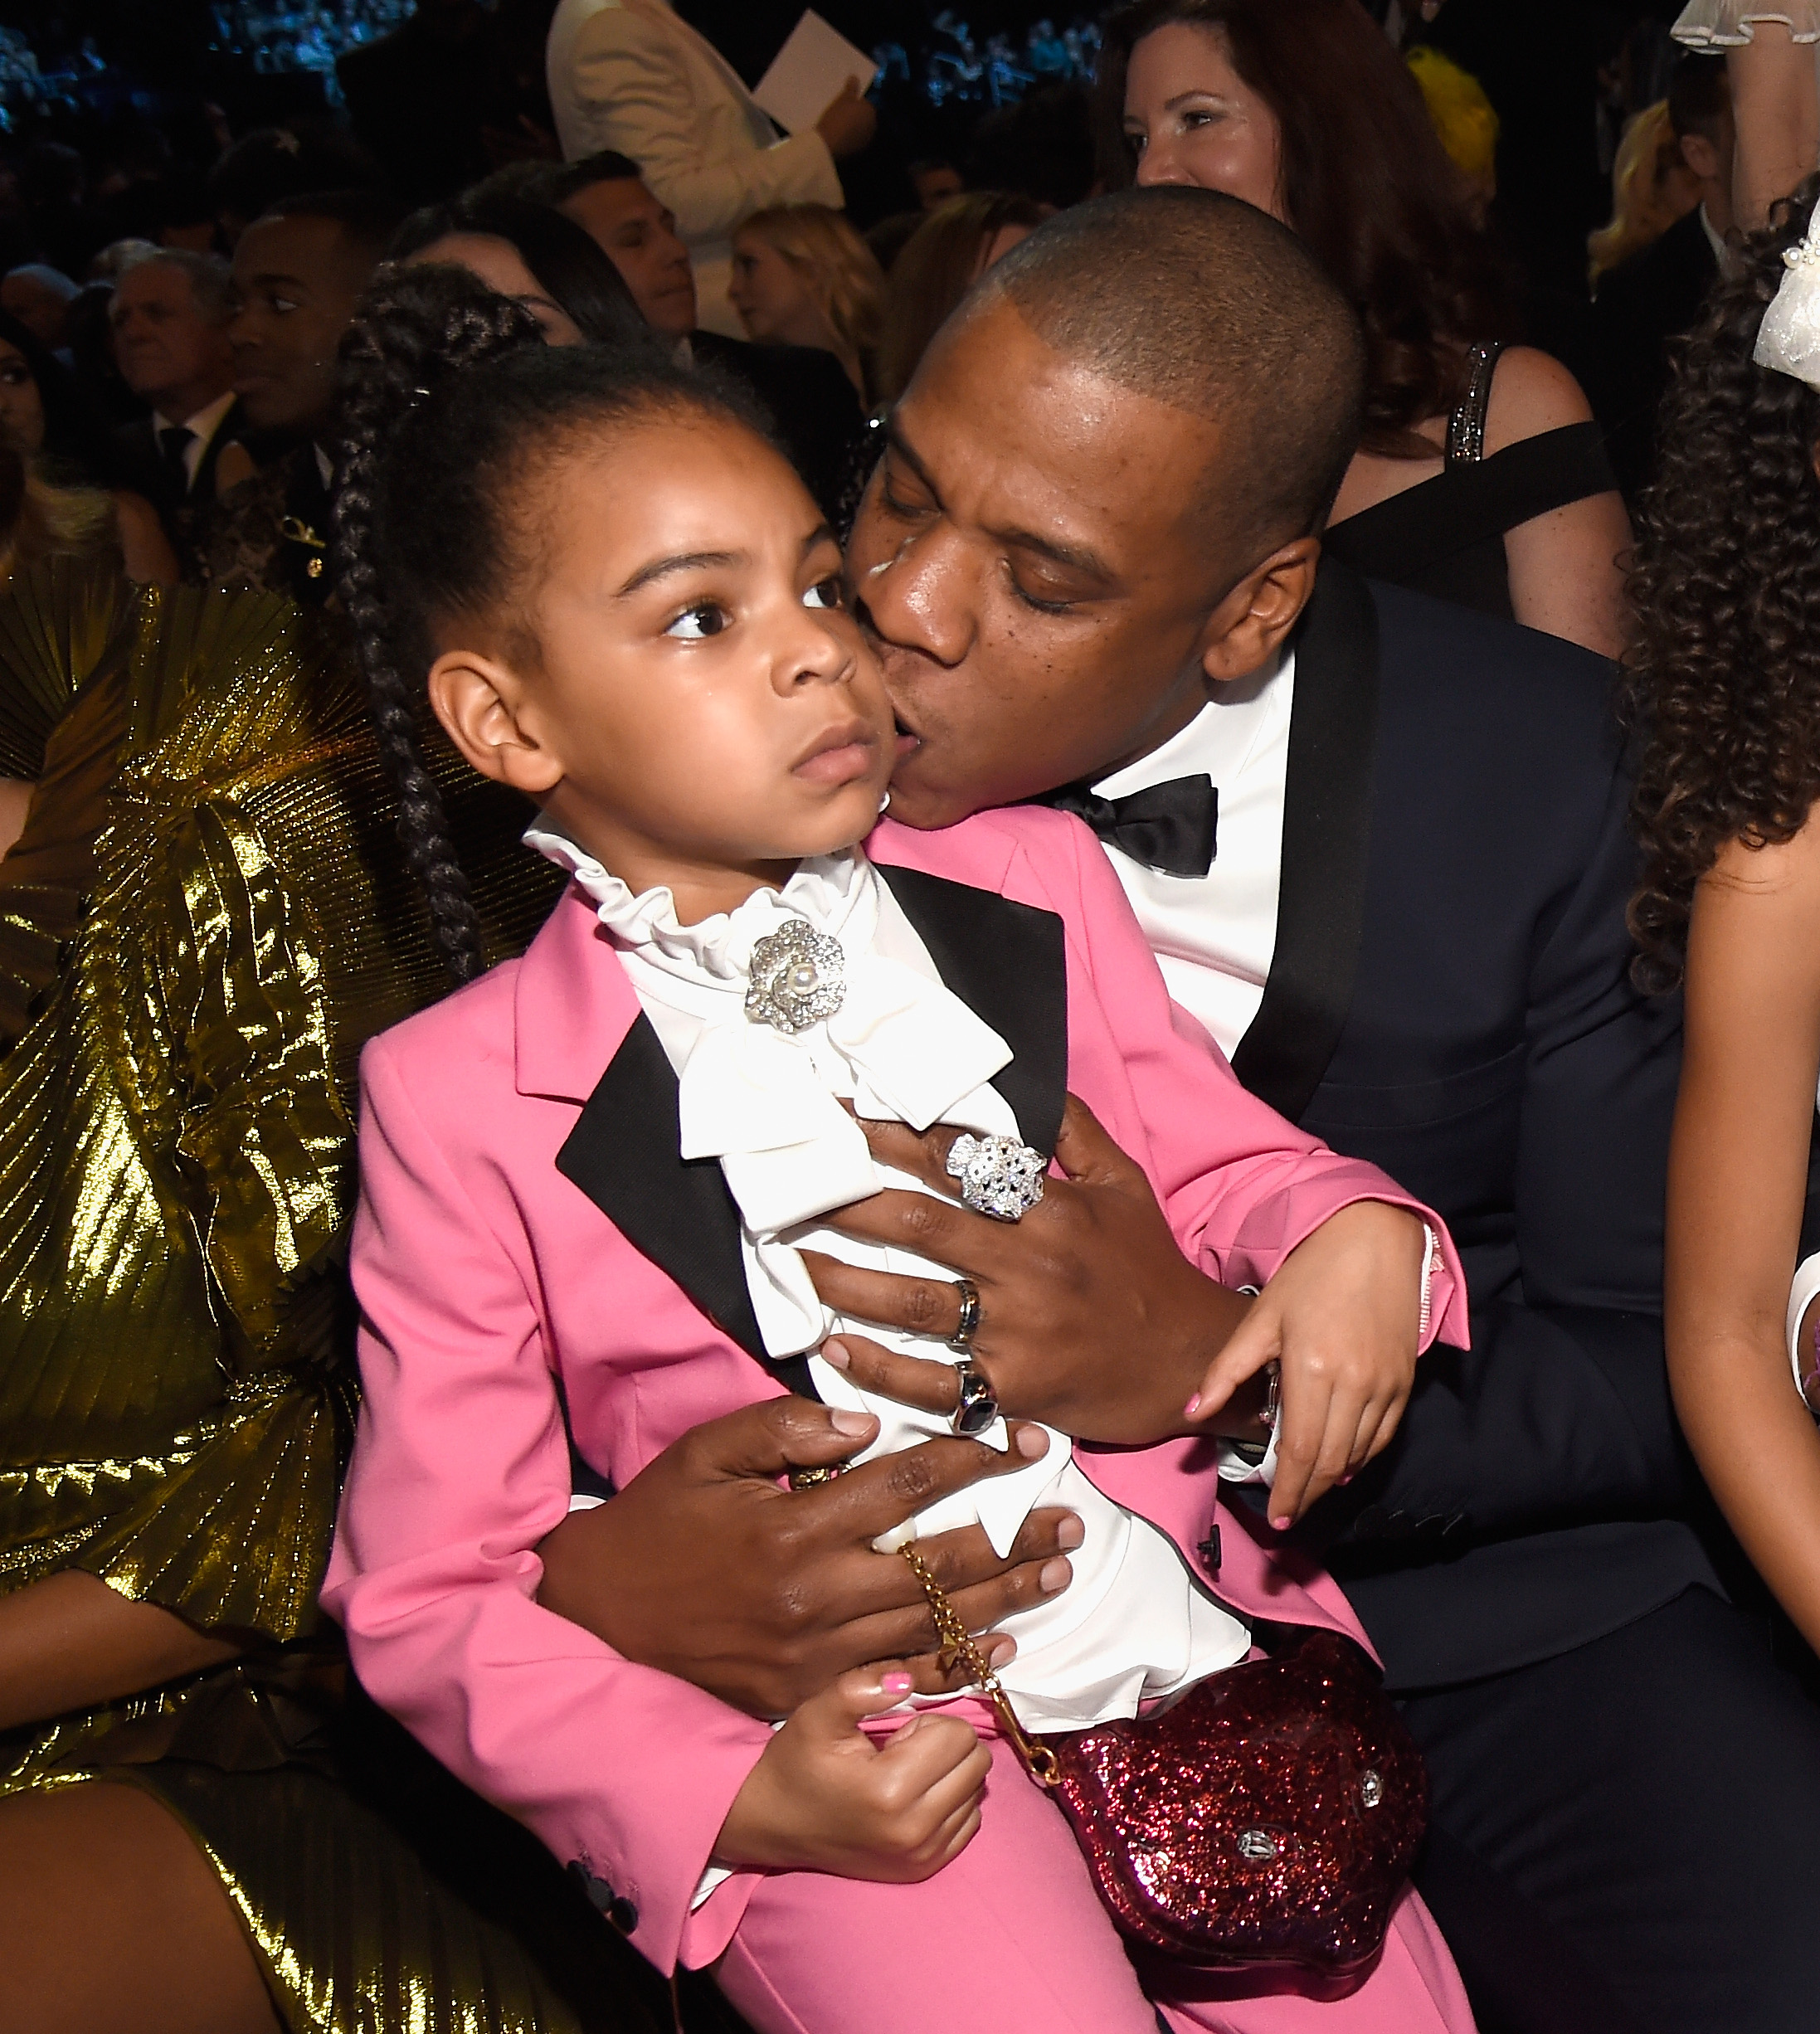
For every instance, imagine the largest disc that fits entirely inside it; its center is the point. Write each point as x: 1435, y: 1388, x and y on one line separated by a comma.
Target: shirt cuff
x: 1801, y: 1295
x: 577, y: 1503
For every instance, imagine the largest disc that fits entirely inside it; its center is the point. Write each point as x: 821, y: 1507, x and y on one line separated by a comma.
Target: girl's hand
x: 824, y: 1797
x: 1343, y: 1318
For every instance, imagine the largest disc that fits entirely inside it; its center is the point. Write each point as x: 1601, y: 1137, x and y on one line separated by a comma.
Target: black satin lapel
x: 1326, y: 832
x: 1008, y: 962
x: 625, y: 1154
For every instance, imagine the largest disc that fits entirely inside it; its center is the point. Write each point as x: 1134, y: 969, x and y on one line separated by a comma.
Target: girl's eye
x: 826, y: 593
x: 696, y: 623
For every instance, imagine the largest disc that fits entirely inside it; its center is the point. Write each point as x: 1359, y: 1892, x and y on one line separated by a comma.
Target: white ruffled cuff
x: 1725, y: 24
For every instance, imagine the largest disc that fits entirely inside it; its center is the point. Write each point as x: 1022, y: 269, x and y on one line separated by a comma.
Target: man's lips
x: 841, y: 755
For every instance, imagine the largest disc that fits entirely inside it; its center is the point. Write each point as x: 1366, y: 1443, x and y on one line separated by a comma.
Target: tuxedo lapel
x: 1008, y: 962
x: 625, y: 1154
x: 1326, y: 829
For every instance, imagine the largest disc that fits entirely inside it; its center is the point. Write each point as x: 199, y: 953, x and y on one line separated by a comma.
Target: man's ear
x: 1249, y: 627
x: 1701, y: 157
x: 477, y: 700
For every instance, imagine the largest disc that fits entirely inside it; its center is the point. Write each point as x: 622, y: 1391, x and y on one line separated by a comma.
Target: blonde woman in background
x: 803, y: 276
x: 1652, y: 188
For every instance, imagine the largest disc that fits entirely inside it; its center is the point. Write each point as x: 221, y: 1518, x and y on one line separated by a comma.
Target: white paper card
x: 810, y: 69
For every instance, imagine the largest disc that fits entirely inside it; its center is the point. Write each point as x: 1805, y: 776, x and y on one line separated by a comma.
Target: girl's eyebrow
x: 683, y: 561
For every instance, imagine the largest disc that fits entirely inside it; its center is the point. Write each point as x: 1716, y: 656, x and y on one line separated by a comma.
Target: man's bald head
x: 1199, y: 301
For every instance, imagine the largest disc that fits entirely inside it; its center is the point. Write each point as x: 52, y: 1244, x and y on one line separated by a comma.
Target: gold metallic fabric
x: 208, y: 915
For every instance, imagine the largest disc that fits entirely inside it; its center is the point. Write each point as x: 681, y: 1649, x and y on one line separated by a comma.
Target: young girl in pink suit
x: 586, y: 1176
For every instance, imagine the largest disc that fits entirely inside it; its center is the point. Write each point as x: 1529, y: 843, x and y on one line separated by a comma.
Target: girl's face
x: 698, y: 709
x: 1193, y: 120
x: 773, y: 301
x: 21, y: 408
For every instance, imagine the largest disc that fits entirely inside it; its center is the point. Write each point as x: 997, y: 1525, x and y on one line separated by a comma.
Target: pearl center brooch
x: 798, y: 977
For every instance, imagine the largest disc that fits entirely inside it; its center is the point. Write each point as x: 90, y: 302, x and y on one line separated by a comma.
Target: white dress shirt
x: 1214, y: 936
x: 202, y: 427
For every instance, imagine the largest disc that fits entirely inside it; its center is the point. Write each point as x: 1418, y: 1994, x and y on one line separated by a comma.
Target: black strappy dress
x: 1445, y: 537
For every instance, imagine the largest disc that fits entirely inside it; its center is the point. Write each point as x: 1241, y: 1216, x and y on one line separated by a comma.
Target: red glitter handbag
x: 1269, y: 1817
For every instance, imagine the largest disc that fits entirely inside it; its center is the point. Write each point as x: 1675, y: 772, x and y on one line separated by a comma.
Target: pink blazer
x: 485, y: 1272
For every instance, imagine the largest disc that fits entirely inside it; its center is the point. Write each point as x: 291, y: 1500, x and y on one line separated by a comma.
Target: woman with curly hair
x: 1481, y: 477
x: 1725, y: 682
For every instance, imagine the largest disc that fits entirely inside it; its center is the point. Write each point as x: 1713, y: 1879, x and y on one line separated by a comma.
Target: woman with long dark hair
x: 1724, y: 681
x: 1479, y: 477
x: 534, y: 254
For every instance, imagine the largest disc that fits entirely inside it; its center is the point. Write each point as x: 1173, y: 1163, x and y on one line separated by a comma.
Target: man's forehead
x: 620, y: 199
x: 301, y: 250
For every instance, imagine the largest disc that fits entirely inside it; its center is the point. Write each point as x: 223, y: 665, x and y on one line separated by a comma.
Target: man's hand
x: 848, y: 122
x: 705, y: 1567
x: 824, y: 1798
x: 1091, y: 1319
x: 1342, y: 1315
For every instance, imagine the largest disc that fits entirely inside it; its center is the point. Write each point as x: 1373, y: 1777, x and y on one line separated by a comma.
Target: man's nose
x: 921, y: 598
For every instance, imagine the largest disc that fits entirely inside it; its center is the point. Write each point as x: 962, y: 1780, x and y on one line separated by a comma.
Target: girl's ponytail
x: 416, y: 330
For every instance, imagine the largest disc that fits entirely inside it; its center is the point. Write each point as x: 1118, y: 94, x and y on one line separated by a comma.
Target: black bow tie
x: 1168, y: 827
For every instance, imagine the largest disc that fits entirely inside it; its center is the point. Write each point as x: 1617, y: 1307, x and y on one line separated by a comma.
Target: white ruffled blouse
x: 1725, y: 24
x: 766, y: 1101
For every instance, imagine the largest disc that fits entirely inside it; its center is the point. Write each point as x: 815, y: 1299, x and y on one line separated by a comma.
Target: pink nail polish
x: 1192, y: 1407
x: 1281, y: 1525
x: 897, y: 1684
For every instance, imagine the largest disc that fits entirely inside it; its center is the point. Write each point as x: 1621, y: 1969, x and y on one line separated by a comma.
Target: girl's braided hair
x: 448, y: 403
x: 1723, y: 677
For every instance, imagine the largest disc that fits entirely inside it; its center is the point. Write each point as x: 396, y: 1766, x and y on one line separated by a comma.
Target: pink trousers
x: 1011, y: 1938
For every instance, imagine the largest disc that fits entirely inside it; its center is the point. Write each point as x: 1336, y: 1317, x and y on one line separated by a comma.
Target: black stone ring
x: 968, y: 1293
x: 977, y: 1405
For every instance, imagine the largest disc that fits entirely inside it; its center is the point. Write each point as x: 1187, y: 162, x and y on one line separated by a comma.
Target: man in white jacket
x: 630, y: 75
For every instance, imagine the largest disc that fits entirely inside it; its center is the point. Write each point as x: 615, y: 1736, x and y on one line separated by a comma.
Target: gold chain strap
x: 958, y: 1647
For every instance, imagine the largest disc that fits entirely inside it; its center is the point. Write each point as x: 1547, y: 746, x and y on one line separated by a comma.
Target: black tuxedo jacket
x: 1450, y: 998
x: 144, y: 468
x: 1642, y: 304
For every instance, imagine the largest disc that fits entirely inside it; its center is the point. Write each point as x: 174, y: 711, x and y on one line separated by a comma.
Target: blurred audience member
x: 105, y: 265
x: 169, y: 321
x: 1464, y: 120
x: 425, y: 100
x: 532, y: 254
x: 1042, y: 147
x: 818, y: 418
x: 1770, y: 56
x: 935, y: 180
x: 299, y: 271
x: 888, y: 237
x: 1657, y: 295
x: 70, y: 464
x: 1652, y: 188
x: 39, y: 297
x: 605, y: 195
x: 1481, y: 477
x: 88, y: 343
x: 637, y: 79
x: 803, y: 276
x: 936, y: 266
x: 272, y: 164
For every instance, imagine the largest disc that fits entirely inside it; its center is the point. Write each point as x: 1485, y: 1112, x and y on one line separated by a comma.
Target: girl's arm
x: 1736, y: 1186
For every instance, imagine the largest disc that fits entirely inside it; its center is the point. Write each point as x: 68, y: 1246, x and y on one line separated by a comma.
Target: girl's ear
x: 476, y: 700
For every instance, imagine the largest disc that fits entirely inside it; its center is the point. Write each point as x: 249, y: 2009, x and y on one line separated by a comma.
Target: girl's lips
x: 838, y: 765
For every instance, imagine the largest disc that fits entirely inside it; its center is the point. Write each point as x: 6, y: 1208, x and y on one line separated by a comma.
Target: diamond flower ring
x: 998, y: 1176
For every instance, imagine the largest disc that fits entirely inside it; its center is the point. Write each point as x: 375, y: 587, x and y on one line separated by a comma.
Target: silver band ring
x: 976, y: 1405
x: 998, y: 1176
x: 968, y: 1293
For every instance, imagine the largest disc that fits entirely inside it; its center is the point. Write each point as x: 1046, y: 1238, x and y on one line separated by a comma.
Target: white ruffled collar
x: 837, y: 893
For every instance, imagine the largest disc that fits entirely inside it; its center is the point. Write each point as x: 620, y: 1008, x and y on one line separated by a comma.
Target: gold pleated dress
x: 208, y: 915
